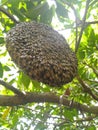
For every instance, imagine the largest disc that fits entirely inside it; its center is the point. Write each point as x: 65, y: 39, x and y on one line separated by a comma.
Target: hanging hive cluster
x: 42, y: 53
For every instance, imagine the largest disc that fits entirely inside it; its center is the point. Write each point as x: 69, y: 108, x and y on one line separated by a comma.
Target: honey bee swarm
x: 42, y: 53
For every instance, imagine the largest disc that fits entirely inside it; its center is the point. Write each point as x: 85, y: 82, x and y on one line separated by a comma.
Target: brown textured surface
x: 42, y: 53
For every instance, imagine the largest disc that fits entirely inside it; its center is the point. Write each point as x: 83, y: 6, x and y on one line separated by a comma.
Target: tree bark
x: 44, y: 97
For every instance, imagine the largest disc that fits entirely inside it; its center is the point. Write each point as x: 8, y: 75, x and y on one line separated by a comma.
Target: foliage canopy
x: 43, y: 107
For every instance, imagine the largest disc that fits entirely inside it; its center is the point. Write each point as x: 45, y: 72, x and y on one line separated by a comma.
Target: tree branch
x: 8, y: 14
x: 87, y: 88
x: 15, y: 90
x: 82, y: 26
x: 44, y: 97
x: 93, y: 22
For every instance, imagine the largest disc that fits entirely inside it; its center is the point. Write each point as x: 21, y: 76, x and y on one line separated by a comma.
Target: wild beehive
x: 42, y: 53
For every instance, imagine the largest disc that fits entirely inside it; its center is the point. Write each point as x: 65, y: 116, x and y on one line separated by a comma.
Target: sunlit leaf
x: 6, y: 113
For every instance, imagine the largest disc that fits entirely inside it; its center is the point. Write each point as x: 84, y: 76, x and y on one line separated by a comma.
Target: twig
x: 15, y: 90
x: 8, y: 14
x: 82, y: 27
x: 61, y: 123
x: 86, y: 119
x: 87, y: 88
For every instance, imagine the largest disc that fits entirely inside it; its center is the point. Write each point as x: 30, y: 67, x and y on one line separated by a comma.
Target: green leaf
x: 46, y: 14
x: 40, y: 126
x: 24, y: 79
x: 6, y: 68
x: 91, y: 38
x: 15, y: 119
x: 1, y: 40
x: 14, y: 3
x: 61, y: 11
x: 82, y: 54
x: 91, y: 128
x: 36, y: 84
x: 18, y: 13
x: 3, y: 2
x: 1, y: 71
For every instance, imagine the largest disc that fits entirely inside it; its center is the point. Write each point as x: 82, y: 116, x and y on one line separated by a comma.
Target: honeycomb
x: 41, y: 53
